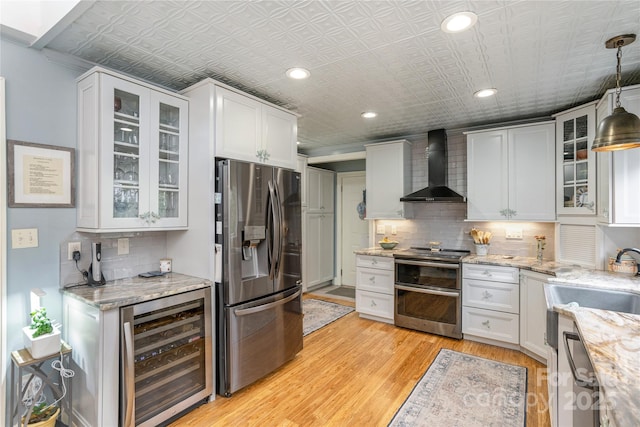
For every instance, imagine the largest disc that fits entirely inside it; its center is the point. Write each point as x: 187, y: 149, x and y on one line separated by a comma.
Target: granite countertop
x: 122, y: 292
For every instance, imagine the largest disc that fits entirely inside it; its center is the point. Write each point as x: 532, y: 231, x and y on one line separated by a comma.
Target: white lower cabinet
x: 490, y: 303
x: 374, y: 287
x: 533, y: 314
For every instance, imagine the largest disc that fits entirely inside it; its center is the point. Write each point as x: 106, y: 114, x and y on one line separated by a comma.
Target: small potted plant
x: 41, y: 338
x: 43, y: 415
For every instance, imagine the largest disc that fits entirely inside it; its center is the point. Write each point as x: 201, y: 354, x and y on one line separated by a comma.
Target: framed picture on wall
x: 40, y: 176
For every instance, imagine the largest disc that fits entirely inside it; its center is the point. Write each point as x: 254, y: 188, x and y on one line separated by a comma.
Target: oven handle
x: 428, y: 264
x: 427, y: 291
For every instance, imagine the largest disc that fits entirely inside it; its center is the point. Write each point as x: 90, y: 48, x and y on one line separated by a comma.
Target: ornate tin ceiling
x: 387, y: 56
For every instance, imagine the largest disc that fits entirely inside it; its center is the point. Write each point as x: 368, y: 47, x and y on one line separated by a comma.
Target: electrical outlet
x: 72, y: 247
x: 514, y: 233
x: 394, y: 230
x: 123, y: 246
x: 380, y: 229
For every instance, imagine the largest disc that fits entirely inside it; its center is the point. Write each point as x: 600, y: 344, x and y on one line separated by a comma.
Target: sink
x: 626, y: 302
x: 555, y: 294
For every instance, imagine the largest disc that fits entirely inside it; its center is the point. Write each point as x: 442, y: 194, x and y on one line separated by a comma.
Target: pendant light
x: 620, y: 130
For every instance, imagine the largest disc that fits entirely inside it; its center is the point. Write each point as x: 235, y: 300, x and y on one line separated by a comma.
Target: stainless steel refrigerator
x: 259, y: 292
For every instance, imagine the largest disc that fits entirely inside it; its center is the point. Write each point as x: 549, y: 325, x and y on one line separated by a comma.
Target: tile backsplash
x: 145, y: 251
x: 445, y: 223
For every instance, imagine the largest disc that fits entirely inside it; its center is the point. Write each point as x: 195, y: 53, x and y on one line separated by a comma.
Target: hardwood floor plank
x: 354, y: 372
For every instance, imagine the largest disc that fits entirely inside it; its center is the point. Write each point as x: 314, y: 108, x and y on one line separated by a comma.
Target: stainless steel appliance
x: 166, y: 357
x: 95, y: 276
x: 259, y: 303
x: 428, y: 287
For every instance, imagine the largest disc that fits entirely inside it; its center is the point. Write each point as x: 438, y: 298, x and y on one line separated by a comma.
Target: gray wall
x: 41, y: 108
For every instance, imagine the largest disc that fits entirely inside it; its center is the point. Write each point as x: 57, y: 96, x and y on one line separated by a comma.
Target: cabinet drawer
x: 375, y: 304
x: 490, y: 272
x: 383, y: 262
x: 491, y: 324
x: 491, y: 295
x: 375, y: 280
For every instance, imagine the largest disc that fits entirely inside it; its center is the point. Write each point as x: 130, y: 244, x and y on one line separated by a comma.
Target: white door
x: 354, y: 232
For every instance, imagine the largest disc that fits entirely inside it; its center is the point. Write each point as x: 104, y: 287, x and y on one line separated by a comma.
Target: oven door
x: 428, y: 310
x: 427, y: 273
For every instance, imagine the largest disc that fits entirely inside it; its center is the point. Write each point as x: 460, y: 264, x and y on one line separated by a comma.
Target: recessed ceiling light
x: 458, y: 22
x: 369, y: 114
x: 483, y: 93
x: 298, y: 73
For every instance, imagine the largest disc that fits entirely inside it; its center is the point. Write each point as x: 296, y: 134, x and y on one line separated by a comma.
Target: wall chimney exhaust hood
x: 437, y: 162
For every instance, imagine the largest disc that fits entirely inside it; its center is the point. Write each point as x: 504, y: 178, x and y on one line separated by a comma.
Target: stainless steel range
x: 428, y: 287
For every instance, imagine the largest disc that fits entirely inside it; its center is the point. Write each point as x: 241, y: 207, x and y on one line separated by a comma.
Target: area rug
x: 320, y: 313
x: 466, y: 391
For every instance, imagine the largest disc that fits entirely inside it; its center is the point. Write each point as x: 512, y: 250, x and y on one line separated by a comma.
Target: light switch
x: 394, y: 230
x: 380, y: 229
x: 24, y: 238
x: 514, y: 233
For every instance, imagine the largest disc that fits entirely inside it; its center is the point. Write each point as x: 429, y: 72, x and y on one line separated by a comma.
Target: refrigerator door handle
x: 273, y: 222
x: 252, y: 310
x: 278, y: 227
x: 128, y: 374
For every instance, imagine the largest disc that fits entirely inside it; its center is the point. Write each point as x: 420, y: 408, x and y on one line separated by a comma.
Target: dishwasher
x: 576, y: 386
x: 166, y: 357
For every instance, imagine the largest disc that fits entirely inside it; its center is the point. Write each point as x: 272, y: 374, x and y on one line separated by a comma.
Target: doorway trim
x: 338, y: 240
x: 3, y: 251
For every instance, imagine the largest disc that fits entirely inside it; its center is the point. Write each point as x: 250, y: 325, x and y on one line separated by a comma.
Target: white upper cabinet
x: 320, y: 190
x: 250, y: 130
x: 619, y: 171
x: 388, y: 179
x: 511, y: 173
x: 576, y: 172
x: 132, y: 151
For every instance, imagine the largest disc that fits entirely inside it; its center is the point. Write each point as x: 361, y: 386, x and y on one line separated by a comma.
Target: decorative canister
x: 482, y: 250
x: 628, y: 265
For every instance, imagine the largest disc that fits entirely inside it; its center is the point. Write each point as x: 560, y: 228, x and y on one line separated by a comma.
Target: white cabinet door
x: 132, y: 150
x: 320, y: 190
x: 168, y: 156
x: 511, y: 174
x: 487, y: 175
x: 576, y: 163
x: 249, y: 130
x: 238, y: 126
x: 533, y: 313
x: 319, y: 255
x: 388, y: 179
x: 279, y: 137
x: 532, y: 173
x: 619, y: 171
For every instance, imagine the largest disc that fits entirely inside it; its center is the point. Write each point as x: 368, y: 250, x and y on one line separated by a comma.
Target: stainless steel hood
x: 437, y: 163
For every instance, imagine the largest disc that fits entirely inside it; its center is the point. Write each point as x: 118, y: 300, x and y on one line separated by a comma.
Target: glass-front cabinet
x: 575, y: 130
x: 132, y: 171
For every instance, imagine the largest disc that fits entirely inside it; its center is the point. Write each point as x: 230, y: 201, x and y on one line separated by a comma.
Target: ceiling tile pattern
x: 387, y: 56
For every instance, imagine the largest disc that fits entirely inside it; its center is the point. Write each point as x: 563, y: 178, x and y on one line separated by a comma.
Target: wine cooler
x: 166, y: 358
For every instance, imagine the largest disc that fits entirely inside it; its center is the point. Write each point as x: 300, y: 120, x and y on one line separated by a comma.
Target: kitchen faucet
x: 620, y: 253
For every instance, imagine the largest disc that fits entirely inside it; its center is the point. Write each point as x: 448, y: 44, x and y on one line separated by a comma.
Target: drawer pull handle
x: 372, y: 279
x: 373, y: 303
x: 374, y: 262
x: 487, y: 273
x: 486, y: 323
x: 486, y: 295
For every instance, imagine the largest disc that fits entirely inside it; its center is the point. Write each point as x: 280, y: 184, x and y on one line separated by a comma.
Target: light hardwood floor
x: 354, y: 372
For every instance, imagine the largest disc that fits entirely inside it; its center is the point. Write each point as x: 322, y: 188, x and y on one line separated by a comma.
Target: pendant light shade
x: 621, y: 129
